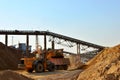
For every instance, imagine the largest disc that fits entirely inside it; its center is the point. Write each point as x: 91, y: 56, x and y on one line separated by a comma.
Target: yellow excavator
x: 48, y: 60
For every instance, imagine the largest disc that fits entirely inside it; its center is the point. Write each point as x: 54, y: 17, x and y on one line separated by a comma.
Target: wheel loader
x: 48, y: 60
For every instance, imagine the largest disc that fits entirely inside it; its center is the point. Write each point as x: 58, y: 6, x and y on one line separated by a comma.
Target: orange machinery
x: 46, y: 60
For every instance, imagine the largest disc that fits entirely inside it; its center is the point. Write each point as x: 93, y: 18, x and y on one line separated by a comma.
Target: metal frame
x: 56, y: 37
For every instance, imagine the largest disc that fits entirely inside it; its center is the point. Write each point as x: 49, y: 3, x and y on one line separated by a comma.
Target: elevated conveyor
x: 47, y: 33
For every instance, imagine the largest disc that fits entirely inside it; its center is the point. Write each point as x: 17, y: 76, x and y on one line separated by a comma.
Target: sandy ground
x: 44, y: 75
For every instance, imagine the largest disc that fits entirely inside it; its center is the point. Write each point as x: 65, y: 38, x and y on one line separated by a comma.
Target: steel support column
x: 27, y: 46
x: 37, y: 42
x: 6, y: 39
x: 45, y: 43
x: 53, y: 44
x: 78, y: 48
x: 45, y: 48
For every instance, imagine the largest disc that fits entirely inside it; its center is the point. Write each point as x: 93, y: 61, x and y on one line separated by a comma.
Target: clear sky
x: 96, y: 21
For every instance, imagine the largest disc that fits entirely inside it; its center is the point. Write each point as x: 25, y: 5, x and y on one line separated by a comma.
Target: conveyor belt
x: 74, y: 40
x: 77, y: 41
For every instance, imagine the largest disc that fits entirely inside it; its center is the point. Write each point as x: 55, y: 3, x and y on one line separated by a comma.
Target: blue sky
x: 96, y: 21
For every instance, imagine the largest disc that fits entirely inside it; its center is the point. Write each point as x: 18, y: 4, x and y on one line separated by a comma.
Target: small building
x: 23, y: 47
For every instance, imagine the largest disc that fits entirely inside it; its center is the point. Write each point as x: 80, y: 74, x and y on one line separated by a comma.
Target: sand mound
x: 104, y: 66
x: 10, y: 75
x: 9, y: 57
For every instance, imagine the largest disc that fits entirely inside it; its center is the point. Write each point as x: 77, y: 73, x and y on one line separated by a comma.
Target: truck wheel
x: 39, y: 67
x: 65, y: 67
x: 29, y: 70
x: 51, y: 67
x: 56, y: 67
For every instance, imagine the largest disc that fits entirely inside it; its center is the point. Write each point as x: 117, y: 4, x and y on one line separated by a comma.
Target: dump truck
x: 49, y: 60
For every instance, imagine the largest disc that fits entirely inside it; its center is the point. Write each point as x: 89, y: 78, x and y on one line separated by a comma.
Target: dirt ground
x: 48, y: 75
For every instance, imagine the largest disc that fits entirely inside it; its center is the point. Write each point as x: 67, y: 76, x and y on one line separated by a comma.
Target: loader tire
x: 51, y: 67
x: 65, y: 67
x: 39, y: 68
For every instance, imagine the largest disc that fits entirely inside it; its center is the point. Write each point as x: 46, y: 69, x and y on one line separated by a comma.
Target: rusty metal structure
x: 54, y: 37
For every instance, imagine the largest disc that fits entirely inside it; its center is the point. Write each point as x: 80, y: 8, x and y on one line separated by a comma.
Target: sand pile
x: 10, y: 75
x: 104, y: 66
x: 9, y: 57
